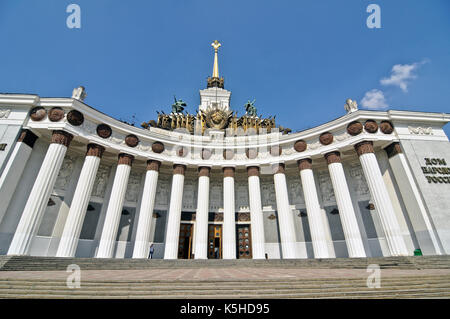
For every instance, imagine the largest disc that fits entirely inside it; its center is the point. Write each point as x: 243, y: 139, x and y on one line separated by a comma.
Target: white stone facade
x: 370, y: 202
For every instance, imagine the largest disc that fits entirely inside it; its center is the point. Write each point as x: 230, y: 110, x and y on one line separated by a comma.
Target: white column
x: 75, y: 218
x: 173, y: 222
x: 115, y: 206
x: 201, y: 218
x: 424, y: 231
x: 285, y: 215
x: 14, y: 168
x: 315, y: 220
x: 229, y: 224
x: 353, y: 239
x: 141, y: 245
x: 381, y: 199
x: 256, y: 214
x: 40, y: 194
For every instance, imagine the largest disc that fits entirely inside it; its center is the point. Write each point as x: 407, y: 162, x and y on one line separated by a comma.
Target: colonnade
x: 38, y: 198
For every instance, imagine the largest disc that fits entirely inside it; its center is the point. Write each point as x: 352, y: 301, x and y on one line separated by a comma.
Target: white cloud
x: 374, y: 99
x: 401, y: 74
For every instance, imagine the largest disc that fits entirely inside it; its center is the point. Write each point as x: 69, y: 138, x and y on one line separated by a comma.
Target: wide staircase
x: 419, y: 285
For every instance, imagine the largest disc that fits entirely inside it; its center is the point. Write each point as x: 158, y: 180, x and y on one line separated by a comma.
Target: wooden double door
x: 185, y: 242
x: 214, y: 241
x: 243, y: 242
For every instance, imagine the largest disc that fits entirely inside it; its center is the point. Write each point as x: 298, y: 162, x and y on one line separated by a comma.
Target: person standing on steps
x: 152, y: 249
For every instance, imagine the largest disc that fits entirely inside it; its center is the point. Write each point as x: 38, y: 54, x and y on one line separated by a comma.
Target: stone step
x: 379, y: 293
x: 54, y: 263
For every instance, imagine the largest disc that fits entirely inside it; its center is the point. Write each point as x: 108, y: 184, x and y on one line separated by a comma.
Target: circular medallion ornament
x: 300, y: 146
x: 182, y: 151
x: 38, y: 113
x: 228, y: 154
x: 131, y: 140
x: 75, y: 118
x: 56, y: 114
x: 251, y: 153
x: 158, y: 147
x: 206, y: 154
x: 276, y: 150
x: 386, y: 127
x: 371, y: 126
x: 104, y: 131
x: 326, y: 138
x: 354, y: 128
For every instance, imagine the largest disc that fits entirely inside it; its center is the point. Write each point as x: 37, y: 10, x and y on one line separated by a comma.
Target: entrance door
x: 185, y: 241
x: 215, y: 241
x: 244, y: 242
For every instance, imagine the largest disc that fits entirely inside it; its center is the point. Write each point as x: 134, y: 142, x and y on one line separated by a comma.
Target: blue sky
x: 300, y: 60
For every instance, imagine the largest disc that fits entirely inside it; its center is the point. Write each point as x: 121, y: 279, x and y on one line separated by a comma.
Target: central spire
x: 216, y: 44
x: 215, y: 81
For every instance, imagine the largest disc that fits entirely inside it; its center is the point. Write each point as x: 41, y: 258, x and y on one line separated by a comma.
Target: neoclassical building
x: 77, y: 183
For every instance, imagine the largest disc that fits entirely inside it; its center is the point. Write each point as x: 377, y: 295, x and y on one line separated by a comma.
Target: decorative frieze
x: 101, y: 180
x: 326, y: 138
x: 251, y: 153
x: 56, y: 114
x: 354, y: 128
x: 4, y: 114
x: 300, y: 146
x: 326, y: 187
x: 75, y: 118
x: 131, y: 140
x: 420, y: 130
x: 133, y: 187
x: 104, y: 131
x: 371, y: 126
x: 38, y: 113
x: 386, y: 127
x: 158, y: 147
x: 65, y: 172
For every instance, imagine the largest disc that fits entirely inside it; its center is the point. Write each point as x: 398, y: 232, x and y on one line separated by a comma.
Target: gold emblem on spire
x: 216, y: 44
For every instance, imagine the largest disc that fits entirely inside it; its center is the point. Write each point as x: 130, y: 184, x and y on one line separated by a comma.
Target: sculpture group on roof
x: 214, y: 117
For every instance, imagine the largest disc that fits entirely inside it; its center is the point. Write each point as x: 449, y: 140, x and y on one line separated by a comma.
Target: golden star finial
x: 216, y: 44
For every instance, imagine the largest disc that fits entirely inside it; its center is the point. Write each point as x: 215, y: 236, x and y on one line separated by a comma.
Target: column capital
x: 304, y: 163
x: 364, y: 147
x: 153, y: 165
x: 95, y: 150
x: 126, y: 159
x: 253, y: 171
x: 27, y: 137
x: 278, y: 168
x: 204, y: 171
x: 393, y: 149
x: 228, y: 171
x: 179, y: 169
x: 333, y: 157
x: 61, y: 137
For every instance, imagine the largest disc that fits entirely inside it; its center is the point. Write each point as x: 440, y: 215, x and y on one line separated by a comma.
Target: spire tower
x: 215, y: 81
